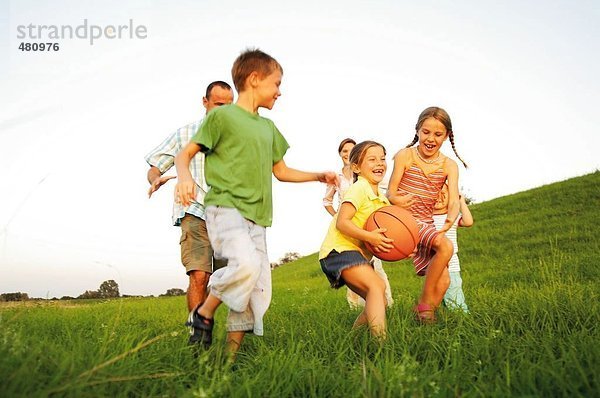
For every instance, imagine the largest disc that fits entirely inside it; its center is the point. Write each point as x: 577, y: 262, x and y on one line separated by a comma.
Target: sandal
x: 425, y: 313
x: 200, y: 329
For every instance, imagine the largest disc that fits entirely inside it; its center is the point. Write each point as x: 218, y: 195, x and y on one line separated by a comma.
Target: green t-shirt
x: 241, y: 149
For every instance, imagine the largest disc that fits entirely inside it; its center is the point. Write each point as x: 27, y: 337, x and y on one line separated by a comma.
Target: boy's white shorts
x: 244, y: 285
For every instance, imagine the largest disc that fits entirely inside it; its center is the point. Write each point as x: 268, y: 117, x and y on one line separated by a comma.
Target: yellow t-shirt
x: 365, y: 201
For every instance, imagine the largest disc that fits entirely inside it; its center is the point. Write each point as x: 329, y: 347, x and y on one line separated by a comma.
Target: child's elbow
x: 466, y: 223
x: 278, y: 175
x: 279, y: 171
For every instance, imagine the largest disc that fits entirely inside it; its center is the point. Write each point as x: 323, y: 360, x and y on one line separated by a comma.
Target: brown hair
x: 252, y: 60
x: 344, y: 142
x: 357, y: 155
x: 442, y: 116
x: 214, y: 84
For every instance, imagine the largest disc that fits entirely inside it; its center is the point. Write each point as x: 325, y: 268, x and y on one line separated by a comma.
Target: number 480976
x: 38, y: 46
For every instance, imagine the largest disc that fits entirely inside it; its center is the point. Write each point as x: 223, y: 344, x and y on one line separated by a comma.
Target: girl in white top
x: 346, y: 179
x: 454, y: 297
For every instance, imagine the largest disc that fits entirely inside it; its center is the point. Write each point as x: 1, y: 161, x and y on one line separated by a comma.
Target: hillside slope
x: 531, y: 280
x: 512, y: 234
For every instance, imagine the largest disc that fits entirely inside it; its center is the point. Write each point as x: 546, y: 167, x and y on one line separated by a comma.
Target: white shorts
x: 244, y: 285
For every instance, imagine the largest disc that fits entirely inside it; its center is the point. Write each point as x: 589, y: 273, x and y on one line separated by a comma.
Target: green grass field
x: 531, y: 278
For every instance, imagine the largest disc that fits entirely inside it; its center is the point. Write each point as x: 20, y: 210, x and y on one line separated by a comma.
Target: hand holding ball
x: 401, y: 227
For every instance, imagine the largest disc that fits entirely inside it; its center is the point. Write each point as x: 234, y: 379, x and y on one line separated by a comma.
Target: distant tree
x: 174, y: 292
x: 17, y: 296
x: 109, y: 289
x: 90, y: 294
x: 469, y: 200
x: 289, y: 257
x: 67, y: 298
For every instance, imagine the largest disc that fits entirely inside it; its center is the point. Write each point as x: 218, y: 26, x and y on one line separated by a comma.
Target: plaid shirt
x: 163, y: 158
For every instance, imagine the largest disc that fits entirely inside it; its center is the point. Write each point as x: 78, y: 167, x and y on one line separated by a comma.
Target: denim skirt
x: 333, y: 265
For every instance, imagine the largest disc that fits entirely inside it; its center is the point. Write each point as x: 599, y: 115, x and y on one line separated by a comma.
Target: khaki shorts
x: 196, y: 252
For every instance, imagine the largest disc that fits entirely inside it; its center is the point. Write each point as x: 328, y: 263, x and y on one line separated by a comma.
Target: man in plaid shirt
x: 196, y: 252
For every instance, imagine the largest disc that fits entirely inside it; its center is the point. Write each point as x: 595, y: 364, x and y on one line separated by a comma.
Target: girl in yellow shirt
x: 343, y: 256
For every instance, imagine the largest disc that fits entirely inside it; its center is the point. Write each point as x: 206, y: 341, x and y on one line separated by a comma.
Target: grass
x: 531, y: 279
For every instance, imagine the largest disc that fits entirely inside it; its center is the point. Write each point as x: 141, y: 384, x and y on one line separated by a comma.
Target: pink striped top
x: 424, y: 188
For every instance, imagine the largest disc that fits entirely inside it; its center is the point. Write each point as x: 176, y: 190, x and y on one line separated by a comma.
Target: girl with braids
x: 416, y: 181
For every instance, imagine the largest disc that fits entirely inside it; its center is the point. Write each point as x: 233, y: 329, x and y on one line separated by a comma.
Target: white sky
x: 519, y: 79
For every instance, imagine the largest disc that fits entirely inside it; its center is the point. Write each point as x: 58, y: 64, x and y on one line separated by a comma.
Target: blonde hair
x: 442, y: 116
x: 252, y: 60
x: 357, y: 154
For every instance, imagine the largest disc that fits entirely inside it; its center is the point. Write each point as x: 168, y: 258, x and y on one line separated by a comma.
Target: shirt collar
x: 370, y: 194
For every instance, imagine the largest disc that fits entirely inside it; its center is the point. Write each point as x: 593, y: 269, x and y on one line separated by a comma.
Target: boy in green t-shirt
x: 242, y: 150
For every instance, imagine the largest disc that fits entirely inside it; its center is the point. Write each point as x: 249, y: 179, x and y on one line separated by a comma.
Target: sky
x: 518, y: 78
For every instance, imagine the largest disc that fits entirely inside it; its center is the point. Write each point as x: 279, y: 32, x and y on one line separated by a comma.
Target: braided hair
x: 414, y: 141
x: 442, y: 116
x: 451, y: 136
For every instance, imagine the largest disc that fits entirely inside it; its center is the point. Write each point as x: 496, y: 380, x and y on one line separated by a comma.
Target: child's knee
x: 443, y: 246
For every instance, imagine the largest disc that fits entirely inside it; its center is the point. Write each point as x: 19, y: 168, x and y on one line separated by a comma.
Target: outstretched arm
x: 185, y: 190
x: 286, y: 174
x: 401, y: 160
x: 156, y: 180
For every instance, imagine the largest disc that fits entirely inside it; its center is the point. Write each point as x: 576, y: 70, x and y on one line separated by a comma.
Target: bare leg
x: 378, y: 267
x: 209, y: 307
x: 196, y: 293
x: 234, y: 341
x: 364, y: 281
x: 360, y: 320
x: 439, y: 263
x: 442, y: 286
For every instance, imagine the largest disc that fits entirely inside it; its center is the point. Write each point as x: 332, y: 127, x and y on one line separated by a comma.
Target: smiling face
x: 432, y: 135
x: 345, y: 153
x: 267, y: 89
x: 372, y: 166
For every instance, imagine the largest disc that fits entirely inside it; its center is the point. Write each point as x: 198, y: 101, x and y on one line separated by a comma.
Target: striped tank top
x: 424, y: 188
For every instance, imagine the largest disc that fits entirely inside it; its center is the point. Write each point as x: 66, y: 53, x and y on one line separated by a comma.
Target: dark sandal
x: 200, y: 329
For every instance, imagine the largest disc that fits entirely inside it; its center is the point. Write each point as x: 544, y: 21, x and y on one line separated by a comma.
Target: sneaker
x: 200, y: 329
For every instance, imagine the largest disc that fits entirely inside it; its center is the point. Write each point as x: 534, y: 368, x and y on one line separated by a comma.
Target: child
x: 416, y: 181
x: 343, y: 256
x: 346, y: 178
x: 454, y: 297
x: 242, y: 150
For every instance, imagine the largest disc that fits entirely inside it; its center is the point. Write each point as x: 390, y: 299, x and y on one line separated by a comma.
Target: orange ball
x: 401, y: 227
